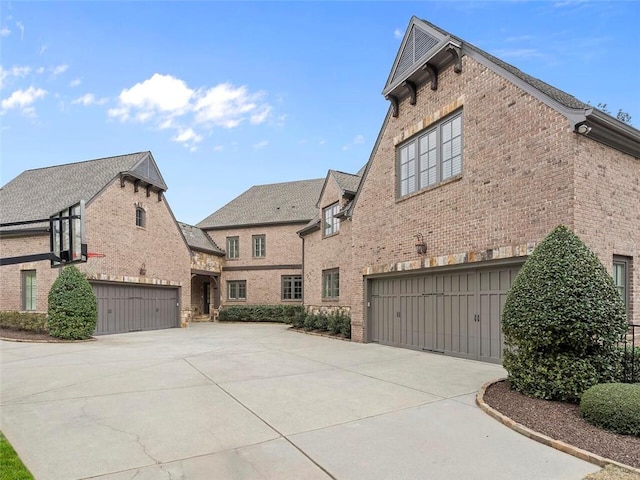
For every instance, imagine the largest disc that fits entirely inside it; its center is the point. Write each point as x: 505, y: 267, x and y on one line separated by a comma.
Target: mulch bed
x: 562, y: 421
x: 29, y: 336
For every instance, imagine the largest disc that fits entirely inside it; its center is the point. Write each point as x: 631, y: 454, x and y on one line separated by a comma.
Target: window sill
x: 236, y: 300
x: 234, y: 259
x: 336, y: 299
x: 453, y: 179
x: 292, y: 300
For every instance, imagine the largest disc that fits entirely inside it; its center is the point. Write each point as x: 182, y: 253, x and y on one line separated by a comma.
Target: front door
x: 206, y: 297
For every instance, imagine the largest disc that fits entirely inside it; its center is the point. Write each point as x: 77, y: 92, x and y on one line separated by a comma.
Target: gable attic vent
x: 418, y: 44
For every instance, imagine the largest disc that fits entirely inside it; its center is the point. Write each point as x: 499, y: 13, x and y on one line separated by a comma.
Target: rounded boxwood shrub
x: 562, y: 320
x: 613, y: 406
x: 73, y: 309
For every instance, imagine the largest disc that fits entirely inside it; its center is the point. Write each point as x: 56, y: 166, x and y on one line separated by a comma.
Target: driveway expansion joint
x: 544, y: 439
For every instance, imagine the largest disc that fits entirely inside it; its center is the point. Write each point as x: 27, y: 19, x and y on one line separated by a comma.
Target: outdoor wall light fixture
x: 421, y: 247
x: 143, y: 270
x: 584, y: 129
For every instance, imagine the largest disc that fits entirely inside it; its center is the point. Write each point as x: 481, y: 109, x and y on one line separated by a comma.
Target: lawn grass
x: 11, y: 467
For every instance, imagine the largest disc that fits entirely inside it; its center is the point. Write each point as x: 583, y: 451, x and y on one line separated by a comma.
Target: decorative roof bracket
x: 135, y: 185
x: 433, y: 75
x: 148, y: 190
x: 122, y: 176
x: 457, y: 56
x: 412, y: 90
x: 394, y: 105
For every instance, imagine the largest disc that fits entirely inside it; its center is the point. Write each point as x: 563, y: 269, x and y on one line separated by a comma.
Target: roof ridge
x: 282, y: 183
x: 84, y: 161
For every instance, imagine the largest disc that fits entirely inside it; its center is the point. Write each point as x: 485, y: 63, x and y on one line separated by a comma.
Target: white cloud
x: 167, y: 102
x: 357, y: 140
x: 40, y: 70
x: 23, y: 99
x: 187, y: 135
x: 398, y: 33
x: 19, y: 71
x: 58, y: 69
x: 89, y: 99
x: 218, y: 148
x: 260, y: 145
x: 75, y: 82
x: 160, y: 94
x: 227, y: 106
x: 4, y: 32
x: 43, y: 48
x: 21, y: 27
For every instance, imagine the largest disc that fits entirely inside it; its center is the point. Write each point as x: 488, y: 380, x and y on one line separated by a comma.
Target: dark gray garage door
x: 455, y: 313
x: 129, y: 308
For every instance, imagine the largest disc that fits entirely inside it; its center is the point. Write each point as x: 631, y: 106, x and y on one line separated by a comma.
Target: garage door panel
x: 126, y: 308
x: 455, y: 313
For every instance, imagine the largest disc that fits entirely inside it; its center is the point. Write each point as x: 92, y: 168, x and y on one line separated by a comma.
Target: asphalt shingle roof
x: 198, y: 239
x: 42, y: 192
x: 287, y: 202
x: 562, y: 97
x: 347, y: 181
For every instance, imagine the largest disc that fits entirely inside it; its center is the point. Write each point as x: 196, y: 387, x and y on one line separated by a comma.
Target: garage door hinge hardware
x: 476, y: 318
x: 433, y: 294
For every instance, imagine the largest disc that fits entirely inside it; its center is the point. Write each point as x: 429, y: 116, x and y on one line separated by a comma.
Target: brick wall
x: 283, y: 247
x: 516, y: 184
x: 11, y: 277
x: 607, y: 207
x: 159, y: 246
x: 324, y: 253
x: 110, y: 230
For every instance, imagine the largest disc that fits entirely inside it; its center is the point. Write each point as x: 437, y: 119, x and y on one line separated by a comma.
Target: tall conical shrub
x: 561, y: 321
x: 73, y: 309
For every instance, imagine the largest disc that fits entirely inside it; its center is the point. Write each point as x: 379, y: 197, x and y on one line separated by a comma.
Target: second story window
x: 141, y: 217
x: 431, y: 157
x: 233, y: 247
x: 330, y: 222
x: 259, y: 246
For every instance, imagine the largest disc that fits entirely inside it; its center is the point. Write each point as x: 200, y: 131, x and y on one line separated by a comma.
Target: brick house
x: 263, y: 263
x: 474, y: 164
x: 141, y: 268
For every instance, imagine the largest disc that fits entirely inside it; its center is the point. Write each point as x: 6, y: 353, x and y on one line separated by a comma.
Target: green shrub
x: 309, y: 322
x: 35, y: 322
x: 73, y: 309
x: 260, y: 313
x: 613, y: 406
x: 321, y: 322
x: 565, y: 314
x: 345, y: 326
x: 298, y: 320
x: 334, y: 324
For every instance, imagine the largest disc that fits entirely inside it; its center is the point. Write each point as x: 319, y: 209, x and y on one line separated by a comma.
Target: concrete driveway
x: 234, y: 401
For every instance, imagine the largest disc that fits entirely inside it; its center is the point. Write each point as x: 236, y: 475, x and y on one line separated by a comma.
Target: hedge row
x: 335, y: 323
x: 260, y: 313
x: 36, y: 322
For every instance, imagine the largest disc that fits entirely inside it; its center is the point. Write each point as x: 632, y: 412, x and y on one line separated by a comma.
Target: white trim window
x: 431, y: 157
x: 259, y: 246
x: 330, y: 221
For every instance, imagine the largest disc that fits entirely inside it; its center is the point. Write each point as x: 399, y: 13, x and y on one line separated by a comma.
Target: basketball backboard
x: 66, y: 235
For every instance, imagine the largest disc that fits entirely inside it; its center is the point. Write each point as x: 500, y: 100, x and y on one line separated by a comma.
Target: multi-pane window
x: 292, y: 287
x: 233, y: 247
x: 29, y: 290
x: 432, y: 157
x: 140, y: 217
x: 331, y: 284
x: 330, y: 221
x: 237, y: 290
x: 259, y: 245
x: 621, y: 276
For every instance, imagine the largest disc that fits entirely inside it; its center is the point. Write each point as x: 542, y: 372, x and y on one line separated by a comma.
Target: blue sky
x: 229, y: 95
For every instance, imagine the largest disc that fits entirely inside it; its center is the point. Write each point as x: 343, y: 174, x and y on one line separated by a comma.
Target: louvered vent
x: 418, y: 44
